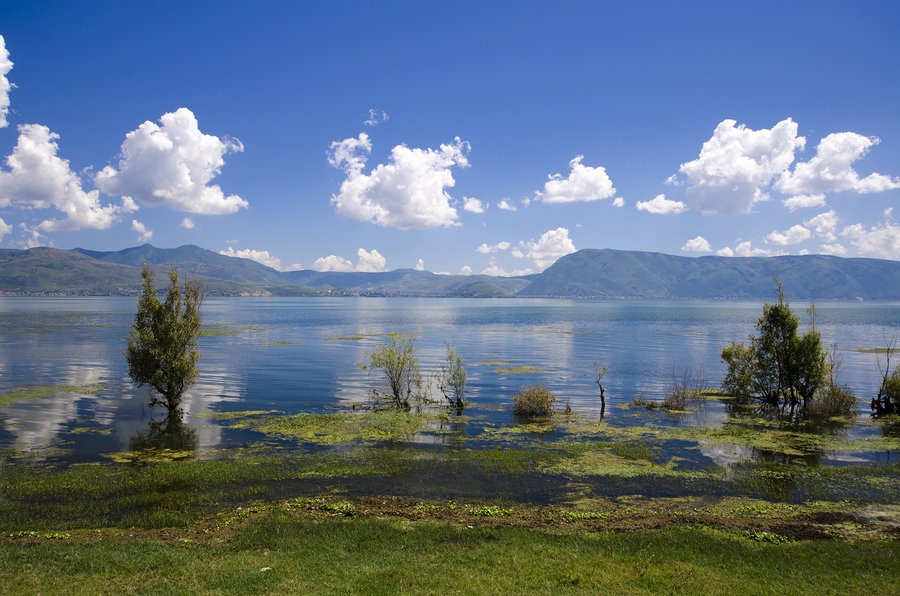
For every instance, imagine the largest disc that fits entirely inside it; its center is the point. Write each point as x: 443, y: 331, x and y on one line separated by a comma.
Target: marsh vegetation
x: 740, y: 469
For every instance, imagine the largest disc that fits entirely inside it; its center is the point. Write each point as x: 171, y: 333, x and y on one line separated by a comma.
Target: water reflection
x: 39, y: 421
x: 271, y: 355
x: 169, y: 434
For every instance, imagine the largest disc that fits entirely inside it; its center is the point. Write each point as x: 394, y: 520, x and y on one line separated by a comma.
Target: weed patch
x: 47, y: 391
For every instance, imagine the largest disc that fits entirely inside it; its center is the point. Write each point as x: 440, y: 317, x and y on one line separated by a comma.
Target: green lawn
x: 279, y: 551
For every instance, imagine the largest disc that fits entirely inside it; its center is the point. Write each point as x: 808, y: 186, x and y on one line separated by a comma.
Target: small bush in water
x: 534, y: 400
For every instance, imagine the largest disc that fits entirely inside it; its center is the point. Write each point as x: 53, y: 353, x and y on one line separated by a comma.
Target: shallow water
x: 81, y: 342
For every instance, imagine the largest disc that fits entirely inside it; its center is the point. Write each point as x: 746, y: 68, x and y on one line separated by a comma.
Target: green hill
x: 48, y: 270
x: 583, y: 274
x: 628, y: 274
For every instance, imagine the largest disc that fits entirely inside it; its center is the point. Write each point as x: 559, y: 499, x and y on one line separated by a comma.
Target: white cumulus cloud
x: 350, y: 154
x: 831, y: 170
x: 495, y: 270
x: 489, y: 248
x: 824, y: 224
x: 5, y: 86
x: 5, y: 228
x: 406, y: 193
x: 618, y: 202
x: 736, y: 165
x: 794, y: 235
x: 144, y: 234
x: 187, y: 223
x: 260, y: 256
x: 661, y: 205
x: 803, y: 201
x: 745, y: 249
x: 332, y: 263
x: 725, y: 252
x: 698, y: 244
x: 506, y: 205
x: 473, y: 205
x: 171, y: 165
x: 420, y: 265
x: 38, y: 179
x: 584, y: 183
x: 465, y: 270
x: 552, y: 245
x: 836, y: 249
x: 880, y: 241
x: 369, y: 262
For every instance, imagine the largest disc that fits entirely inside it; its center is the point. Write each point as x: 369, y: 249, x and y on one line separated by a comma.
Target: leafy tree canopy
x: 162, y: 346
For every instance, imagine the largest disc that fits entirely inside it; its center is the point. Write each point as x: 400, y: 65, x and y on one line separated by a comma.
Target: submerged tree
x: 397, y: 362
x: 451, y: 378
x: 600, y: 372
x: 888, y: 399
x: 779, y: 366
x: 162, y: 346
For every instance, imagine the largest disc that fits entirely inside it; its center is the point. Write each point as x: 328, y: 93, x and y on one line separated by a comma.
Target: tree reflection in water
x: 171, y: 433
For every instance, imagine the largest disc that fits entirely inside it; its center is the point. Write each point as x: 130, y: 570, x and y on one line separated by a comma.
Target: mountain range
x: 588, y: 273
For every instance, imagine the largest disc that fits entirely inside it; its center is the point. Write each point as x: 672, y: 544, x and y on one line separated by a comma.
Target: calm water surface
x: 81, y: 341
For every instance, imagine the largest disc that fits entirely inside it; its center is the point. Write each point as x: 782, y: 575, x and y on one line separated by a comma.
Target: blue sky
x: 465, y: 136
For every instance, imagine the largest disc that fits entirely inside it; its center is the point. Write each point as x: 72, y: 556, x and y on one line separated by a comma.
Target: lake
x: 300, y: 355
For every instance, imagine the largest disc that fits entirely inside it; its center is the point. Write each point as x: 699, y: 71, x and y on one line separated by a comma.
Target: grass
x: 281, y: 551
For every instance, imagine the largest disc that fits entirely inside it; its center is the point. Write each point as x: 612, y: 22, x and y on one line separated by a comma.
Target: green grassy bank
x: 295, y: 551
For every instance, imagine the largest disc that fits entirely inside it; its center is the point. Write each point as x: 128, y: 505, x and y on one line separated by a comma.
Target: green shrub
x: 451, y: 378
x: 639, y: 401
x: 534, y: 400
x: 685, y: 388
x: 779, y: 367
x: 398, y: 364
x: 835, y: 400
x: 888, y: 400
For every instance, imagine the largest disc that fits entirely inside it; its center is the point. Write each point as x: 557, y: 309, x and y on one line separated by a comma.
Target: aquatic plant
x: 639, y: 401
x: 599, y: 372
x: 684, y: 388
x: 490, y: 511
x: 397, y: 363
x: 533, y: 401
x: 451, y: 378
x: 47, y: 391
x: 522, y: 369
x: 888, y: 399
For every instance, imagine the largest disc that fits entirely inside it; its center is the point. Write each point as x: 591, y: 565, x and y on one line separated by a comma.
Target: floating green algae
x: 47, y: 391
x: 519, y: 370
x: 364, y: 336
x: 549, y: 330
x: 338, y: 428
x: 227, y: 329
